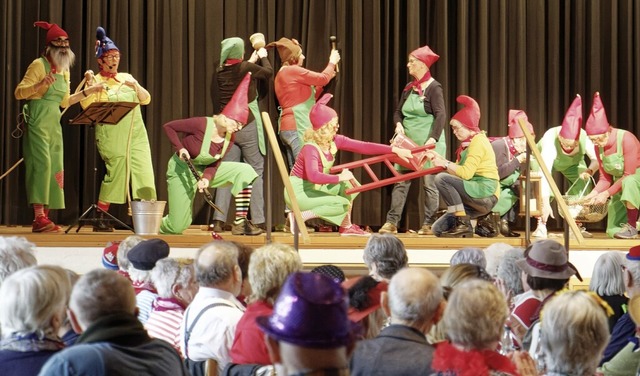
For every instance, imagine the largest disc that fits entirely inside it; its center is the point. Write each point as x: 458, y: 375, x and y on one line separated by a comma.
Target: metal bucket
x: 147, y: 216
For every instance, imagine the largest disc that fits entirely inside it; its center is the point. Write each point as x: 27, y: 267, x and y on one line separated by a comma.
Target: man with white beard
x: 46, y: 87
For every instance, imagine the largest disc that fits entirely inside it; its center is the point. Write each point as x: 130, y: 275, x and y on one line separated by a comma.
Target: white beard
x: 63, y: 61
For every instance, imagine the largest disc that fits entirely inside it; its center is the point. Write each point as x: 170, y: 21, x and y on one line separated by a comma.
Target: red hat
x: 110, y: 255
x: 238, y: 107
x: 514, y: 128
x: 359, y: 305
x: 320, y: 113
x: 634, y: 253
x: 572, y: 121
x: 425, y: 55
x: 54, y: 31
x: 469, y: 116
x: 597, y: 122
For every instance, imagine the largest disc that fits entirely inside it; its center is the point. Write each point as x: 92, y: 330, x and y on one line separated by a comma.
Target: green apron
x: 255, y: 110
x: 301, y: 113
x: 508, y: 195
x: 614, y: 165
x: 417, y: 125
x: 43, y: 145
x: 326, y: 201
x: 478, y: 186
x: 182, y: 185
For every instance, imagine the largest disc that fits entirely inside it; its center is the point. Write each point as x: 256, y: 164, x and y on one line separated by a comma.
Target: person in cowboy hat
x: 309, y: 332
x: 565, y: 147
x: 208, y: 139
x: 470, y: 187
x: 320, y: 194
x: 46, y: 87
x: 124, y: 146
x: 618, y: 156
x: 249, y: 141
x: 421, y: 116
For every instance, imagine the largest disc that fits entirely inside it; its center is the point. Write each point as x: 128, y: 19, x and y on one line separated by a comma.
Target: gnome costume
x: 199, y: 138
x: 124, y: 147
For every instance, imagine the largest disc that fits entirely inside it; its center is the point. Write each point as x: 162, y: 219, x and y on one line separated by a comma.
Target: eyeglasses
x: 112, y: 57
x: 60, y: 42
x: 600, y: 138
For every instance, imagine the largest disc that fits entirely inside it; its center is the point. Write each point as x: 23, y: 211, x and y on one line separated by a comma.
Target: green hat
x: 232, y: 48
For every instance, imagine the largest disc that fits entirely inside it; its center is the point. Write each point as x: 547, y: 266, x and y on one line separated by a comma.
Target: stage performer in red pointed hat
x: 46, y: 87
x: 469, y: 187
x: 319, y: 193
x: 207, y: 140
x: 563, y: 149
x: 124, y: 147
x: 618, y: 154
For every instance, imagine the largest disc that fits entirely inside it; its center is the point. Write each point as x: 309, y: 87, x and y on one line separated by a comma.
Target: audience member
x: 365, y: 306
x: 309, y: 332
x: 175, y: 282
x: 210, y: 321
x: 112, y: 340
x: 66, y: 332
x: 574, y: 332
x: 414, y: 303
x: 110, y: 256
x: 143, y: 257
x: 269, y: 267
x: 607, y: 281
x: 33, y: 307
x: 509, y: 276
x: 330, y: 270
x: 244, y: 256
x: 469, y: 255
x: 627, y: 360
x: 123, y: 251
x: 16, y: 253
x: 384, y: 255
x: 494, y: 254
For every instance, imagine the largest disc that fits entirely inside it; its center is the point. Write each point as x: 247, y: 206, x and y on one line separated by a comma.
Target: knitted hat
x: 320, y: 113
x: 110, y: 256
x: 53, y: 31
x: 469, y: 116
x: 238, y: 107
x: 597, y: 122
x: 232, y: 48
x: 514, y: 127
x: 425, y: 55
x: 103, y: 43
x: 287, y: 48
x: 572, y: 121
x: 144, y: 255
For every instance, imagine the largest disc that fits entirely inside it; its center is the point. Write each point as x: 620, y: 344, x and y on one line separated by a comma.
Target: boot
x: 461, y: 229
x: 505, y: 230
x: 486, y: 227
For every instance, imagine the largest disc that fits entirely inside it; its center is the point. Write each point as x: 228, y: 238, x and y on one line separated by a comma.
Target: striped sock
x: 38, y: 210
x: 242, y: 204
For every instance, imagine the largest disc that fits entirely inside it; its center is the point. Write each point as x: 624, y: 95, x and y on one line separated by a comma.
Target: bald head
x: 414, y: 297
x: 216, y: 262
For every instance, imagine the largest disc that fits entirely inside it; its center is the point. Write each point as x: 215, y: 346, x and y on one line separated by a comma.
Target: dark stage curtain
x: 533, y: 55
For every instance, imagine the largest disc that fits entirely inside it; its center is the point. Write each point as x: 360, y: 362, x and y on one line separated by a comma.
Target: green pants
x: 617, y: 213
x: 328, y: 201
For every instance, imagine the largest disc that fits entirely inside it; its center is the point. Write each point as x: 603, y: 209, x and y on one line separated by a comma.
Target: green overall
x: 43, y: 145
x: 417, y: 125
x: 326, y: 201
x: 301, y: 114
x: 255, y: 110
x: 478, y: 186
x: 182, y: 186
x: 508, y: 196
x: 614, y: 165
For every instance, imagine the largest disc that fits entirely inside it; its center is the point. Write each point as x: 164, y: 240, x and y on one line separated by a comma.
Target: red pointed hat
x: 320, y: 113
x: 634, y: 253
x: 572, y: 121
x: 514, y: 128
x: 425, y: 55
x: 469, y: 116
x: 238, y: 107
x: 597, y: 122
x: 53, y: 31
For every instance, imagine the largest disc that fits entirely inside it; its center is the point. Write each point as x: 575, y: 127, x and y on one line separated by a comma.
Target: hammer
x: 333, y: 40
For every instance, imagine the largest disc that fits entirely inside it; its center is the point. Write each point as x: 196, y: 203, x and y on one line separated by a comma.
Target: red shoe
x: 353, y: 230
x: 43, y: 224
x: 215, y: 235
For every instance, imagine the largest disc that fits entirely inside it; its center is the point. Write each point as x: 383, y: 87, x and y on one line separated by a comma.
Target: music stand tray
x: 100, y: 113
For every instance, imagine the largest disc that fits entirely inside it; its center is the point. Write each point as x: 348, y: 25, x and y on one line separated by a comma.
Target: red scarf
x: 417, y: 84
x: 463, y: 145
x: 470, y: 363
x: 512, y: 148
x: 232, y: 61
x: 108, y: 75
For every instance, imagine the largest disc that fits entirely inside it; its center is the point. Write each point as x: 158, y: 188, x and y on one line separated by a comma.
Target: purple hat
x: 311, y: 311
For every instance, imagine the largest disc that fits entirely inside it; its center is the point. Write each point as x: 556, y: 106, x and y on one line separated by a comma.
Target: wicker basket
x: 581, y: 211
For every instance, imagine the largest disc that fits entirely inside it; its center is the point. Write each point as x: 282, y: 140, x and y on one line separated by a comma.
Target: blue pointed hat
x: 103, y: 43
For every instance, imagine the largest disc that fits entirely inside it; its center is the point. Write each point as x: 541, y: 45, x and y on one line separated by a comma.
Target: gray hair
x: 509, y: 272
x: 633, y: 267
x: 387, y: 252
x: 475, y: 314
x: 31, y: 297
x: 101, y: 293
x: 469, y: 255
x: 215, y: 262
x: 269, y: 267
x: 494, y: 255
x: 16, y: 253
x: 574, y: 332
x: 169, y: 272
x: 414, y: 296
x: 123, y: 249
x: 607, y: 277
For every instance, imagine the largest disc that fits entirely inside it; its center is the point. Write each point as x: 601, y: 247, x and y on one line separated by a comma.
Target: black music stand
x: 100, y: 113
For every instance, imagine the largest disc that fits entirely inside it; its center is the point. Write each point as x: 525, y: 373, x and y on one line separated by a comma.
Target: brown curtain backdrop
x: 533, y: 55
